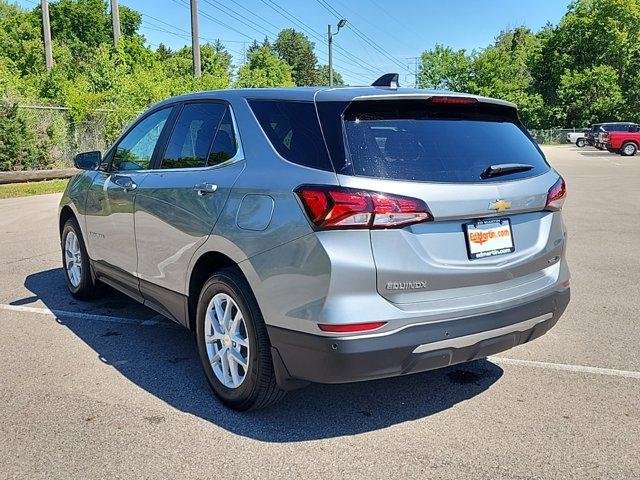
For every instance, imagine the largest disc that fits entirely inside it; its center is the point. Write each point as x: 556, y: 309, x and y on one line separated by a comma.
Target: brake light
x: 350, y: 327
x: 556, y: 195
x: 453, y: 100
x: 340, y: 207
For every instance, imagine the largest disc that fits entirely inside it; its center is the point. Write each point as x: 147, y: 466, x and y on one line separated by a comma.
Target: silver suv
x: 324, y: 235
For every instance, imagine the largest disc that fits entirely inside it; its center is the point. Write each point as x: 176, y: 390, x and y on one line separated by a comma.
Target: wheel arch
x: 206, y: 265
x: 66, y: 212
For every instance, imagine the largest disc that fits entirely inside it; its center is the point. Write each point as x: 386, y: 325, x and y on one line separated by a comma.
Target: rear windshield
x: 415, y: 140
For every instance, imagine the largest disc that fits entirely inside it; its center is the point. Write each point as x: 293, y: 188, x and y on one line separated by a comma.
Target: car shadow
x: 162, y: 360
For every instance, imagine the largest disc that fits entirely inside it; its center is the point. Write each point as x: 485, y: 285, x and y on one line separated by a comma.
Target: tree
x: 298, y: 51
x: 590, y: 96
x: 323, y: 76
x: 264, y: 69
x: 444, y: 68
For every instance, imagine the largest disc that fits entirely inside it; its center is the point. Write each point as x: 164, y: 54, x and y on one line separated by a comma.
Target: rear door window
x: 193, y: 135
x: 413, y: 140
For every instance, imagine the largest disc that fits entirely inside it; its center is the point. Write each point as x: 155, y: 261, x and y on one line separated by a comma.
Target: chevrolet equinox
x: 324, y: 235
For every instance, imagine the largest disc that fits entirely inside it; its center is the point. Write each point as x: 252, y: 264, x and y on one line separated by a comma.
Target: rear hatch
x: 490, y: 238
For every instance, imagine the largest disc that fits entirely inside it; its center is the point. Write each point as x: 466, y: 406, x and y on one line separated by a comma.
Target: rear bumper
x: 303, y: 357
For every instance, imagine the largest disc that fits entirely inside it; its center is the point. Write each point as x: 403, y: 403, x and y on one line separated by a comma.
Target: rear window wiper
x: 505, y: 169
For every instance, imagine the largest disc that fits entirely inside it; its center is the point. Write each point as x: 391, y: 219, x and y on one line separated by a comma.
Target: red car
x: 624, y: 143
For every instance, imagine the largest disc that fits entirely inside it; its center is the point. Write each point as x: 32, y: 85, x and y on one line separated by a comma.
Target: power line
x: 362, y: 35
x: 313, y: 33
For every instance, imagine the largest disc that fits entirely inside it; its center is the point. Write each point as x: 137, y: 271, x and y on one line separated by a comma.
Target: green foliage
x: 264, y: 69
x: 323, y: 74
x: 16, y: 141
x: 590, y: 95
x: 297, y: 50
x: 444, y: 68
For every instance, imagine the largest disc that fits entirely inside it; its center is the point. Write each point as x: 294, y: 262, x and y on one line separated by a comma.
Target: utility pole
x: 195, y: 39
x: 46, y: 34
x: 330, y: 36
x: 115, y: 21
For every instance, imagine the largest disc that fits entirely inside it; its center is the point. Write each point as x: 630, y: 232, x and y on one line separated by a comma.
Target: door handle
x: 125, y: 183
x: 205, y: 187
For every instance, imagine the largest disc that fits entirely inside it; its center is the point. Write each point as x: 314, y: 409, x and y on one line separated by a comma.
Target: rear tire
x: 581, y: 142
x: 221, y: 344
x: 75, y: 262
x: 629, y: 149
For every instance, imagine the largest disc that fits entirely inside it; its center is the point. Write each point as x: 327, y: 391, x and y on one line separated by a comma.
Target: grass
x: 12, y: 190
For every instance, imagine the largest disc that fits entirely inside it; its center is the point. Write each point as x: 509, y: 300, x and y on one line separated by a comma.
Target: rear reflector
x: 330, y: 207
x: 350, y: 327
x: 556, y: 195
x: 453, y: 100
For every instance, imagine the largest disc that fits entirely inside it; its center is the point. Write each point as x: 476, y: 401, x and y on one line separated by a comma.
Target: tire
x: 581, y: 142
x: 253, y: 386
x: 74, y: 254
x: 629, y: 149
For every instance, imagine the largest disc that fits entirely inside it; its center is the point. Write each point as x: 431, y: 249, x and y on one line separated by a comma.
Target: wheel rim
x: 629, y: 149
x: 226, y: 339
x: 73, y: 258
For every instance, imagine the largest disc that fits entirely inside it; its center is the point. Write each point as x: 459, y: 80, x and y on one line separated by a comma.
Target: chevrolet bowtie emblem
x: 500, y: 205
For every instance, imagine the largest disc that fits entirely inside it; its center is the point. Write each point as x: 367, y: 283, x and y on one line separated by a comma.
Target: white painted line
x: 157, y: 320
x: 82, y: 316
x: 567, y: 367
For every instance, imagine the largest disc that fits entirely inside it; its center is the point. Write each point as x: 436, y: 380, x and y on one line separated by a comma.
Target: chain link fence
x: 554, y: 136
x: 44, y: 137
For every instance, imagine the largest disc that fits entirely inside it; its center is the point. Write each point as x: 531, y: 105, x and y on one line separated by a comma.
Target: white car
x: 579, y: 138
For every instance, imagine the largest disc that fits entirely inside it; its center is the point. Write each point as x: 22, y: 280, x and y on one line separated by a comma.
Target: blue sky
x: 400, y: 30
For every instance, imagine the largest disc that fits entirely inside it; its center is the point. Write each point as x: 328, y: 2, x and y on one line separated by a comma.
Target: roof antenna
x: 388, y: 80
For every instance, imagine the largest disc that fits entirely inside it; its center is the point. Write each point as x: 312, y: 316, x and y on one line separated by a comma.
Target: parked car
x: 324, y: 234
x: 624, y: 143
x: 577, y: 138
x: 611, y: 127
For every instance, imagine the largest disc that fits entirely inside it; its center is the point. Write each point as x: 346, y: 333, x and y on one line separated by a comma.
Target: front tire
x: 75, y: 262
x: 629, y: 149
x: 233, y: 344
x: 581, y: 142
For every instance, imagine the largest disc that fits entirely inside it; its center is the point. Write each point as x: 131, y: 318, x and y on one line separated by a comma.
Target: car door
x: 111, y: 202
x: 181, y: 198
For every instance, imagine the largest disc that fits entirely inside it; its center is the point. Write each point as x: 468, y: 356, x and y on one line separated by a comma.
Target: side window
x: 294, y: 131
x: 193, y: 135
x: 224, y: 146
x: 135, y: 150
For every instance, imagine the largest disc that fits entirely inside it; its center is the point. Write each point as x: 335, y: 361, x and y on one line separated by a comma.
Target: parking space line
x: 611, y: 372
x: 157, y: 320
x: 85, y: 316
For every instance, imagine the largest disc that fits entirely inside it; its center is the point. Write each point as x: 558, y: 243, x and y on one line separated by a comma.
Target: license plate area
x: 488, y: 238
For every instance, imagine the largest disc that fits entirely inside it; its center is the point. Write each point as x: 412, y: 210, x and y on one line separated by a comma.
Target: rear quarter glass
x: 417, y: 141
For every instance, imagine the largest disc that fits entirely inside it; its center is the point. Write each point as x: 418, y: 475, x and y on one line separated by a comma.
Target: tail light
x: 556, y: 195
x: 331, y: 207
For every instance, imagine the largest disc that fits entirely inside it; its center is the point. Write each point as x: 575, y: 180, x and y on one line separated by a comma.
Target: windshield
x: 412, y: 140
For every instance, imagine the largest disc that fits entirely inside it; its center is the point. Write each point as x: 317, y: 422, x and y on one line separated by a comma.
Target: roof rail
x: 388, y: 80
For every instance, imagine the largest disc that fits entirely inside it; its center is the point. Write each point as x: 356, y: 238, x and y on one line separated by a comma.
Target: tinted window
x: 224, y: 146
x: 293, y: 130
x: 413, y: 140
x: 193, y: 135
x: 135, y: 150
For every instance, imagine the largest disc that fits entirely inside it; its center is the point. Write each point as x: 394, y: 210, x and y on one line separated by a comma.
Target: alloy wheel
x: 73, y: 259
x: 226, y: 340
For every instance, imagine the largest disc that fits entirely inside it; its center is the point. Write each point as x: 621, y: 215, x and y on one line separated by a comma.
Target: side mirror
x: 88, y: 160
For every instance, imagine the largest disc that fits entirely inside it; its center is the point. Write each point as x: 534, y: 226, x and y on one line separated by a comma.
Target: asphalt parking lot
x: 110, y: 389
